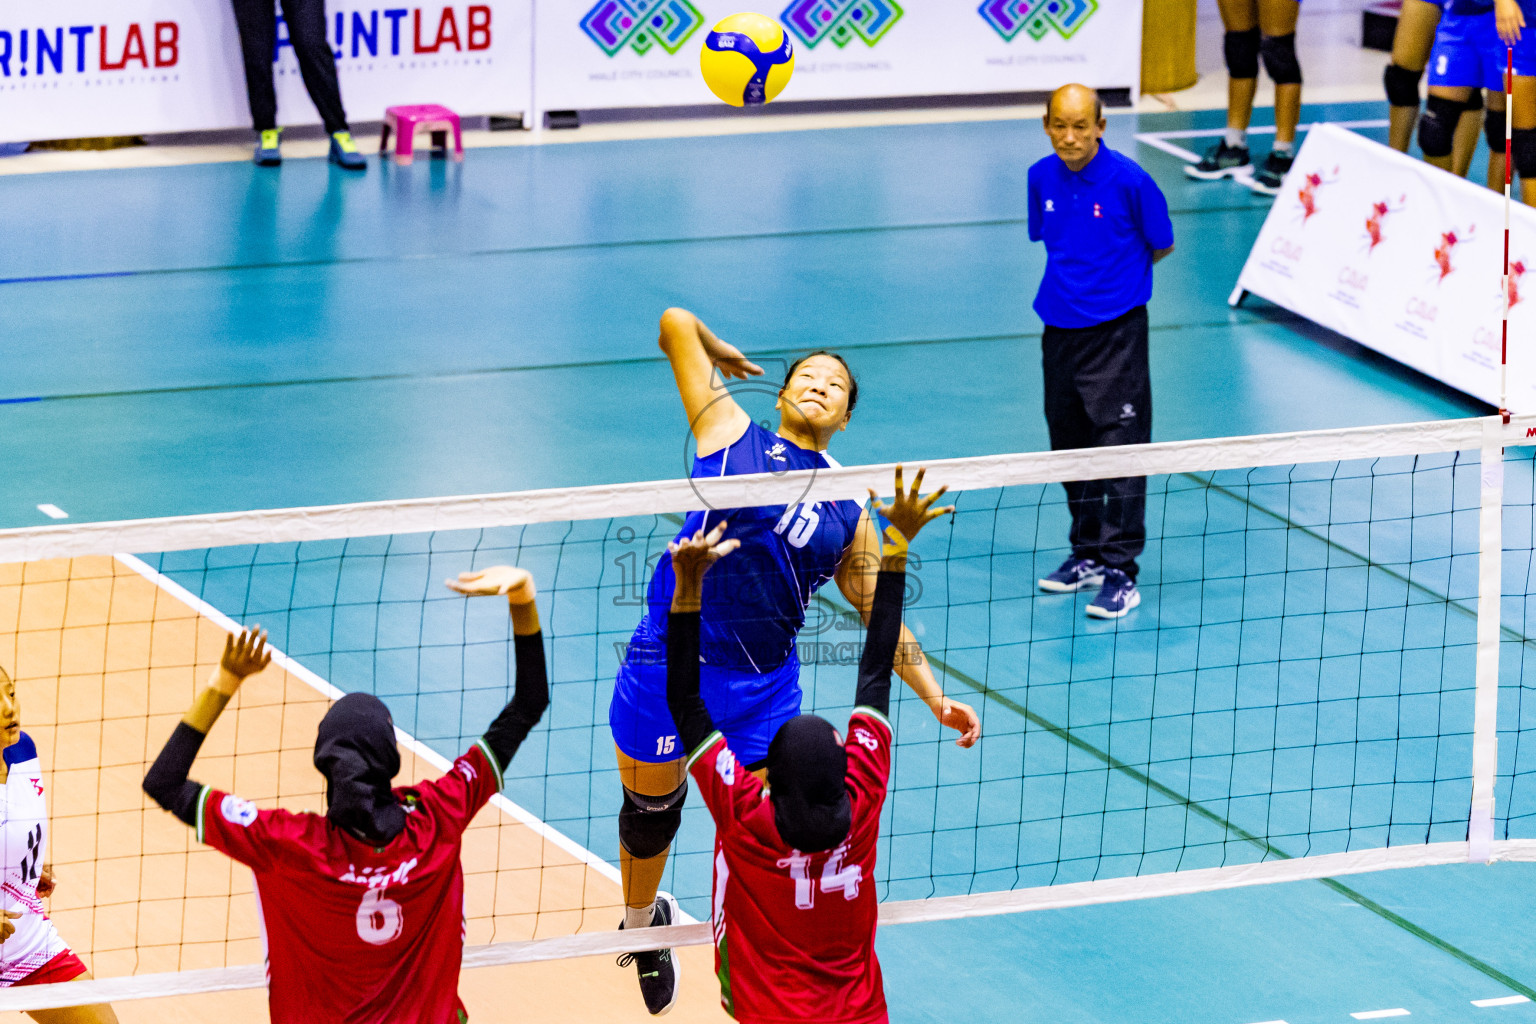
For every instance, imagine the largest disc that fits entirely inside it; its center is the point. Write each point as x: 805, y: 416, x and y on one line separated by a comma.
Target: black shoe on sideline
x: 1269, y: 178
x: 659, y: 970
x: 1220, y: 161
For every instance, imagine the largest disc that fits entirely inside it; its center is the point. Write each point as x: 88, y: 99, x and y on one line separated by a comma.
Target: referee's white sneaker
x: 659, y: 969
x: 1116, y: 597
x: 1075, y: 574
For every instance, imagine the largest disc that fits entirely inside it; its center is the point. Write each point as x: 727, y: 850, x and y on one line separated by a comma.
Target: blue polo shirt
x: 1100, y: 226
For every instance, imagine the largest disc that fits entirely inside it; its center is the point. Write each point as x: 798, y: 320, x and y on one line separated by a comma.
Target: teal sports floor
x: 217, y: 337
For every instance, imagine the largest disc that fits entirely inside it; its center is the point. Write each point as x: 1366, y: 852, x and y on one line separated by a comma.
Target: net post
x: 1490, y: 557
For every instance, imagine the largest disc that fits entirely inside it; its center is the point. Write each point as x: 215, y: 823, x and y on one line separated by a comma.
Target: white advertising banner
x: 1403, y: 258
x: 594, y: 54
x: 82, y: 68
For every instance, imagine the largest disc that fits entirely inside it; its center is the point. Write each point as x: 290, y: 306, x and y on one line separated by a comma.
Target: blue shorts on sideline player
x: 1468, y: 52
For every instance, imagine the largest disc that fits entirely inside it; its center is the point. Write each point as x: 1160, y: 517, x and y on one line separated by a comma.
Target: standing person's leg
x: 1493, y: 128
x: 1277, y: 24
x: 1069, y: 427
x: 1240, y: 48
x: 1115, y: 380
x: 317, y: 65
x: 256, y: 21
x: 1441, y: 124
x: 1411, y: 44
x: 1469, y: 127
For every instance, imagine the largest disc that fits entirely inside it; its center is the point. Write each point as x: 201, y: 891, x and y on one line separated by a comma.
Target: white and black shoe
x: 1220, y: 161
x: 1074, y: 574
x: 659, y: 969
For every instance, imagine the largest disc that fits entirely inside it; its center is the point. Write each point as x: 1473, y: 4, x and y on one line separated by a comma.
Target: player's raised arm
x: 244, y: 655
x: 908, y: 513
x: 856, y: 578
x: 691, y: 559
x: 695, y: 353
x: 531, y: 696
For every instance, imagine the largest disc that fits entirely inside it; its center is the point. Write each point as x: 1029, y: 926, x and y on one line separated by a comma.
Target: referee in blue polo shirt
x: 1104, y: 223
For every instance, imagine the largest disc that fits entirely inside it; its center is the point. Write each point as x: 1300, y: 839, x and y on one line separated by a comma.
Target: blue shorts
x: 1468, y: 53
x: 747, y: 706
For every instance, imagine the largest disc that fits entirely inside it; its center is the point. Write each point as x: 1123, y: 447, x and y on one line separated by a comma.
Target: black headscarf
x: 807, y: 770
x: 355, y: 751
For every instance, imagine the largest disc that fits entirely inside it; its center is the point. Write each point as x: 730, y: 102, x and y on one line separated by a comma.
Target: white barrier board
x: 81, y: 68
x: 1403, y: 258
x: 594, y: 54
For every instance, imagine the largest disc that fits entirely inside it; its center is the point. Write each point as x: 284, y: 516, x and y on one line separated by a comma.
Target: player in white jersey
x: 31, y: 950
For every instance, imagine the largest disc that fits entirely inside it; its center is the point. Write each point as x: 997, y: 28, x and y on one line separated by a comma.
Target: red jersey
x: 357, y: 933
x: 795, y: 932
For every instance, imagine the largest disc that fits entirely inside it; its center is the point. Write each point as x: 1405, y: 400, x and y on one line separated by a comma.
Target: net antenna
x: 1509, y: 167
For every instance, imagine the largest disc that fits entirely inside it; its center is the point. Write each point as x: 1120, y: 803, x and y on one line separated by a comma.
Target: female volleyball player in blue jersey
x: 753, y: 609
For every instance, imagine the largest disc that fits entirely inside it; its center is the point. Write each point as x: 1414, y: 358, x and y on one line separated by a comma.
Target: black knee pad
x: 1474, y: 101
x: 1279, y: 53
x: 1402, y: 85
x: 647, y: 824
x: 1493, y: 131
x: 1242, y: 52
x: 1525, y: 152
x: 1437, y: 128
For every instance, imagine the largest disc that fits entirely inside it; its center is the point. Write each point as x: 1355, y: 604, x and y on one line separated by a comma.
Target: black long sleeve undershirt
x: 878, y: 659
x: 692, y: 718
x: 168, y: 784
x: 688, y: 711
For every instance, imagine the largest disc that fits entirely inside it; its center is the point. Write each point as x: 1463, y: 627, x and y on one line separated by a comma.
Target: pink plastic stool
x: 405, y: 122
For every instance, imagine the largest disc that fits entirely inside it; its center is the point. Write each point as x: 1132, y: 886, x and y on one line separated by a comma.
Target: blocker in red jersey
x: 362, y: 908
x: 794, y: 910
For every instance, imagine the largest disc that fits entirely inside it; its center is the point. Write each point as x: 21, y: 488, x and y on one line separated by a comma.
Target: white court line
x: 1377, y: 1014
x: 410, y: 742
x: 1272, y: 1022
x: 1501, y: 1001
x: 52, y: 511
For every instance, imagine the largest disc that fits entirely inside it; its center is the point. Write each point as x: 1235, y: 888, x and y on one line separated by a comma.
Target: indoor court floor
x: 216, y: 336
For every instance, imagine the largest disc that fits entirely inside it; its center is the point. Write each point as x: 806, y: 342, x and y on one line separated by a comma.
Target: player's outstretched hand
x: 908, y: 512
x: 244, y: 655
x: 692, y: 556
x: 7, y: 929
x: 516, y: 583
x: 1509, y: 20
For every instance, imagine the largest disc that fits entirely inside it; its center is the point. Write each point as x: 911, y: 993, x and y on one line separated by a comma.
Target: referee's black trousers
x: 257, y: 21
x: 1098, y: 392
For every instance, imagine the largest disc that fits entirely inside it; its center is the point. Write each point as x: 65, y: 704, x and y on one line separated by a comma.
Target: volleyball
x: 747, y: 59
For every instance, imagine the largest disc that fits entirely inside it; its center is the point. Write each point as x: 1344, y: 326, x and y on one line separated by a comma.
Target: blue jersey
x: 755, y: 600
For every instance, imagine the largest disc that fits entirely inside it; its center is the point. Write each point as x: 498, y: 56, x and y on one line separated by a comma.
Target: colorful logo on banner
x: 1449, y: 241
x: 1037, y: 17
x: 1307, y: 194
x: 641, y: 25
x: 1377, y: 220
x: 841, y: 20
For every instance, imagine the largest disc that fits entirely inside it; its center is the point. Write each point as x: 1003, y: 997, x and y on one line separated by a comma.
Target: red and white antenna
x: 1509, y: 166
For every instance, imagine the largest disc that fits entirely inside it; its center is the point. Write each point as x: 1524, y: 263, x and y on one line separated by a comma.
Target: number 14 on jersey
x: 834, y: 876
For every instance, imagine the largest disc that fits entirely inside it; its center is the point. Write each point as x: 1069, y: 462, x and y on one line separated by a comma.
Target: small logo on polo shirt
x: 1050, y: 206
x: 1127, y: 411
x: 1098, y: 211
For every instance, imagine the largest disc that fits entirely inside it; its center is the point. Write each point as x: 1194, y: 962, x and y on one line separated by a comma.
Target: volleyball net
x: 1327, y: 675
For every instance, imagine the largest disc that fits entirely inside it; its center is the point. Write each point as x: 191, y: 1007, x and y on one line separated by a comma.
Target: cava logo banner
x: 841, y: 21
x: 83, y: 68
x: 1402, y: 258
x: 1037, y: 18
x: 641, y: 25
